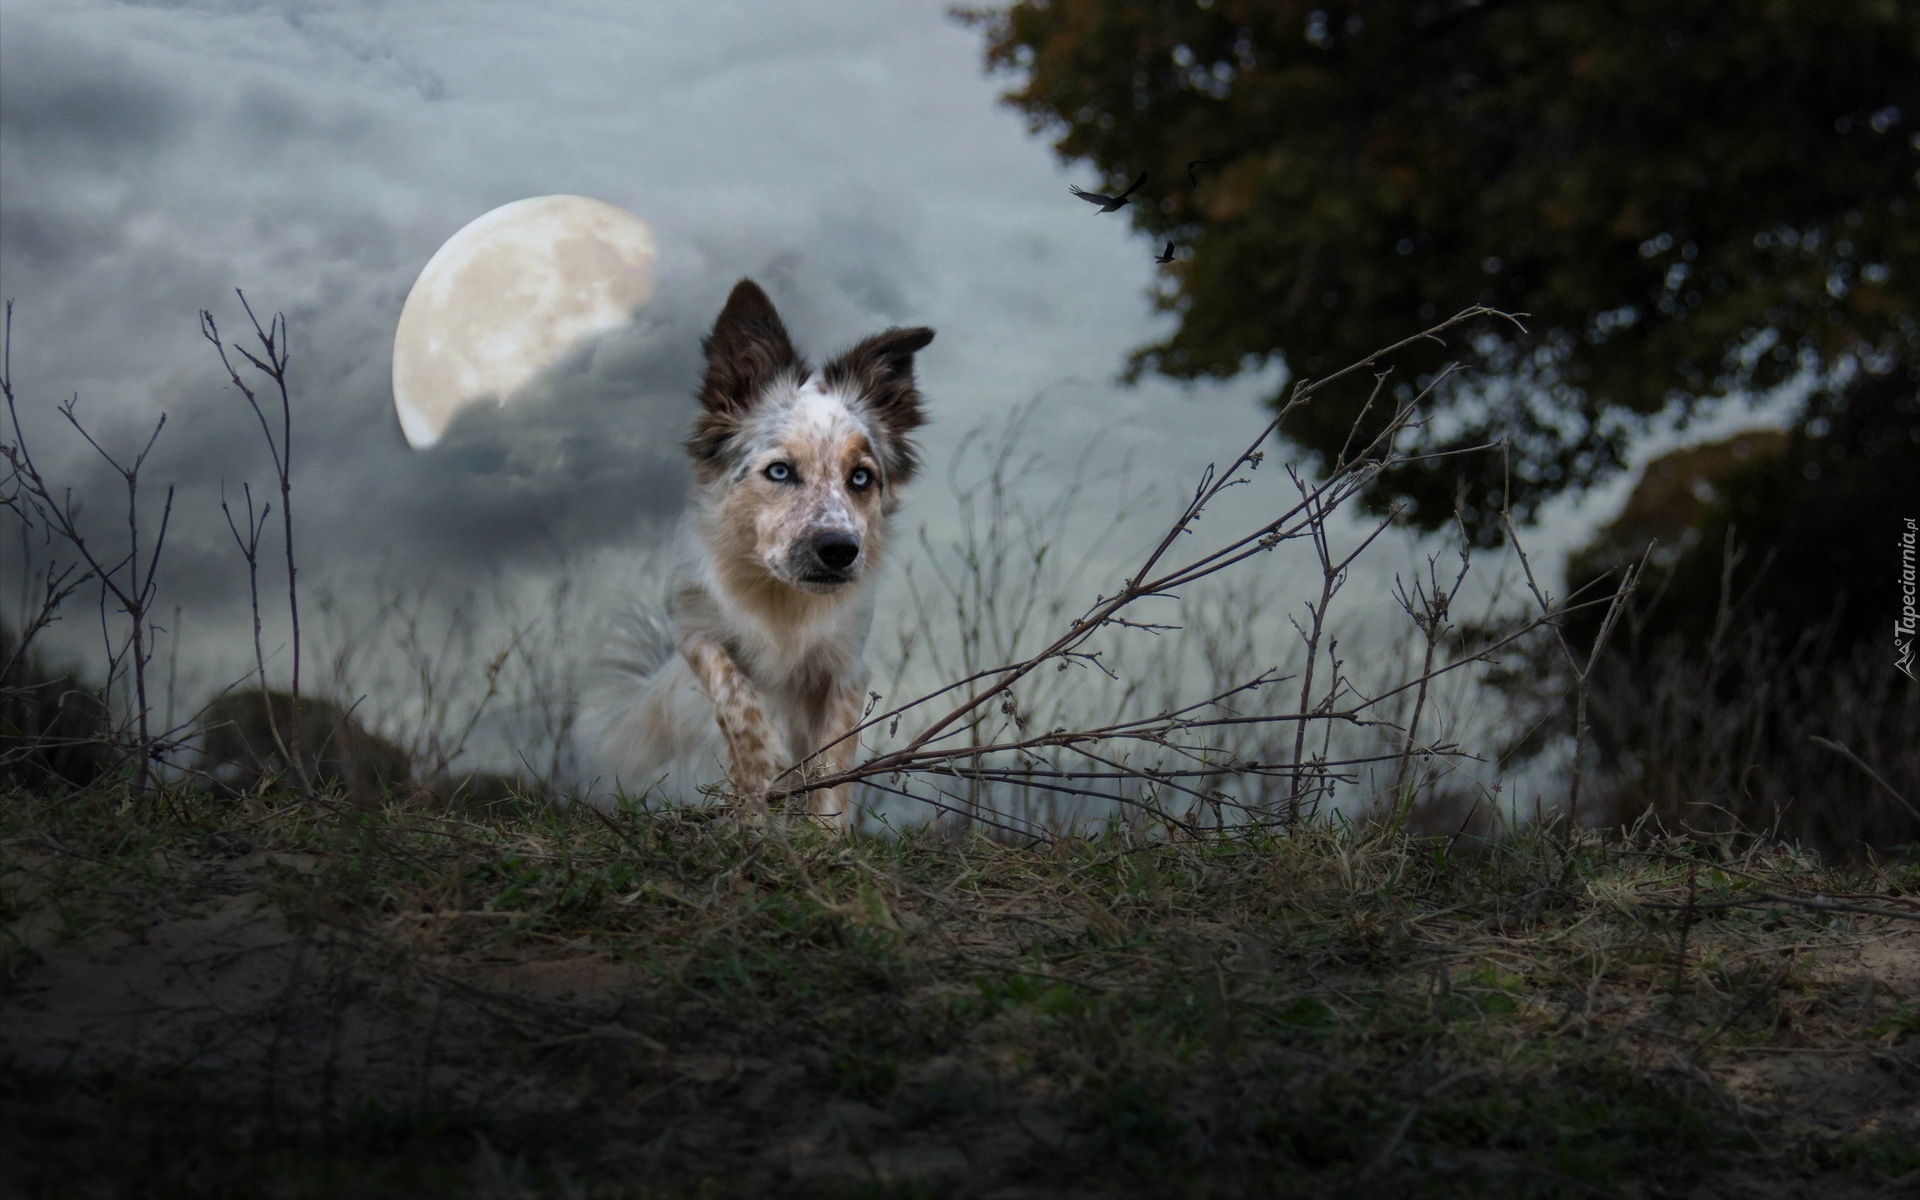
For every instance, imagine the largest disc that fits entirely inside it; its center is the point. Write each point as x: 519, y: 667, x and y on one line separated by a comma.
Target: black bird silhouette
x: 1198, y: 162
x: 1166, y: 255
x: 1109, y: 203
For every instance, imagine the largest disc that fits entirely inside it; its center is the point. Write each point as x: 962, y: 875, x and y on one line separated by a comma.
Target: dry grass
x: 271, y: 999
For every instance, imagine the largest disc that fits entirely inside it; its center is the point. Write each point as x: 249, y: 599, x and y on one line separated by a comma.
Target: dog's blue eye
x: 779, y: 472
x: 860, y: 478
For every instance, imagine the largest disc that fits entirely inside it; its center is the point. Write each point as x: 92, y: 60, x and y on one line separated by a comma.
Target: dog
x: 797, y: 476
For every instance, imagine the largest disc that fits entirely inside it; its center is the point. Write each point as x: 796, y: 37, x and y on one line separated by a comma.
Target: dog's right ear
x: 748, y: 348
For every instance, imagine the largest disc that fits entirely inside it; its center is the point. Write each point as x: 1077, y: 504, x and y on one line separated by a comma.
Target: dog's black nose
x: 837, y: 550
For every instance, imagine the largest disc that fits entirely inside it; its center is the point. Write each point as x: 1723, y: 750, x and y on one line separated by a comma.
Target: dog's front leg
x: 845, y: 706
x: 742, y: 716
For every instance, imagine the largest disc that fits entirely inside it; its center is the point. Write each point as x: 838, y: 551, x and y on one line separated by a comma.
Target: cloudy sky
x: 851, y: 157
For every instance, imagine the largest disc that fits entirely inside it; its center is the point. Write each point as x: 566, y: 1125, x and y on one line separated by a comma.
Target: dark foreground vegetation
x: 267, y: 997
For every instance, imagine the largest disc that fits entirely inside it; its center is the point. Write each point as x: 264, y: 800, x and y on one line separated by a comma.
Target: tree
x: 1692, y: 200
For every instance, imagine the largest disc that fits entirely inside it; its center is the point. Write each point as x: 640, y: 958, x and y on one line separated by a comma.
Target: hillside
x: 264, y: 999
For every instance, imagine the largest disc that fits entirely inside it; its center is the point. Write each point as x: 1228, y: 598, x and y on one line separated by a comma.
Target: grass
x: 222, y: 998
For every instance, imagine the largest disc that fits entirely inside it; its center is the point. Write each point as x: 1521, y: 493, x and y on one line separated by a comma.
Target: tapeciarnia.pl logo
x: 1903, y: 628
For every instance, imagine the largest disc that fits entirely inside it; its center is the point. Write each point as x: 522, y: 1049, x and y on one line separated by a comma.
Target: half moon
x: 509, y: 296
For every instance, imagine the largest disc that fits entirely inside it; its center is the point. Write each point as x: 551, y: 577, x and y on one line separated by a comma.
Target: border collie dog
x: 796, y: 476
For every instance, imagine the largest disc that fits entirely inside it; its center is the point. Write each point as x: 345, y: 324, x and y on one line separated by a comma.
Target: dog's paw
x: 748, y: 810
x: 734, y: 807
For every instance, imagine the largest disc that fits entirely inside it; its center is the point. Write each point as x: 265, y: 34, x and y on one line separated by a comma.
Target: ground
x: 274, y: 998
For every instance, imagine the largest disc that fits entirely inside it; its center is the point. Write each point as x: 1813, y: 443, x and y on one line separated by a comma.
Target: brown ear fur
x: 747, y: 349
x: 880, y: 371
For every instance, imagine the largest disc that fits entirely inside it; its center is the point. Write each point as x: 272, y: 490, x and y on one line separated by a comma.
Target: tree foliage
x: 1690, y: 199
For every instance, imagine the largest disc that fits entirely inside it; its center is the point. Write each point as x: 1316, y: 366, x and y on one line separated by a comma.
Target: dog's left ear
x: 879, y: 371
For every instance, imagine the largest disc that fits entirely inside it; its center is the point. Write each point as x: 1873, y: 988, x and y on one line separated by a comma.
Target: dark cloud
x: 65, y: 98
x: 78, y: 122
x: 588, y: 455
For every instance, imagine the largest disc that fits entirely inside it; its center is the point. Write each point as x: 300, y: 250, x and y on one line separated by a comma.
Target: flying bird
x: 1166, y: 256
x: 1198, y: 162
x: 1109, y: 203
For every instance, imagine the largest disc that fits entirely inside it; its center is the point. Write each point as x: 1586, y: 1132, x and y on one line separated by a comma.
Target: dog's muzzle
x: 832, y: 556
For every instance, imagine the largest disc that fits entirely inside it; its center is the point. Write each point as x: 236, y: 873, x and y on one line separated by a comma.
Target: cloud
x: 66, y: 98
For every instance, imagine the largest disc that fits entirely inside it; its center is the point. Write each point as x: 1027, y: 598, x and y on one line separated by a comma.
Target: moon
x: 509, y: 296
